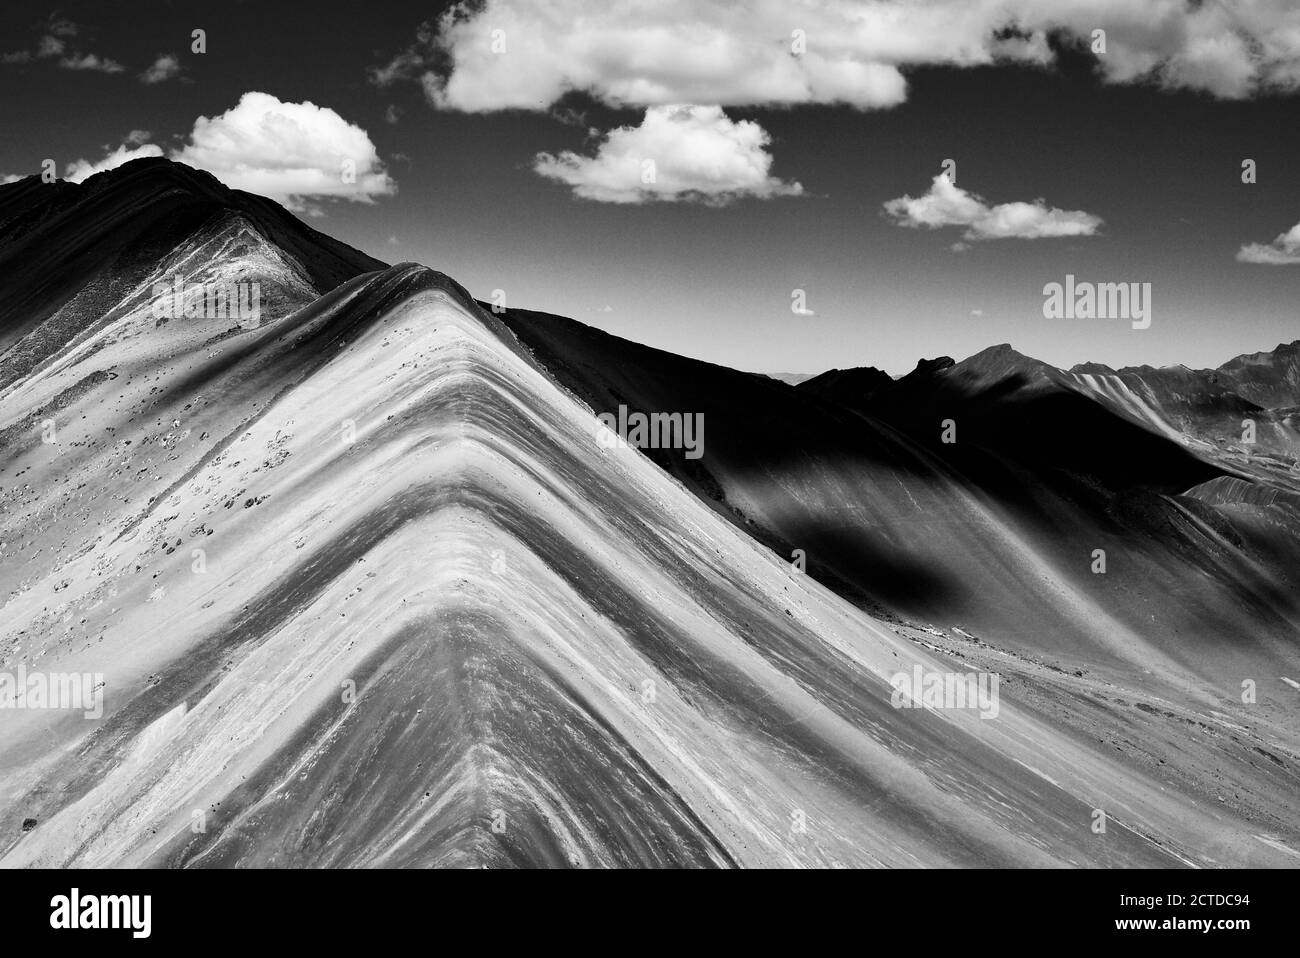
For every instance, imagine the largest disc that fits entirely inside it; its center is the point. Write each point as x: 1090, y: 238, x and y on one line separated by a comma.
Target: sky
x: 762, y: 185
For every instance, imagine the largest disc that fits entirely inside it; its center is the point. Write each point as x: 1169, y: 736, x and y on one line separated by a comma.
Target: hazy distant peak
x: 1283, y: 352
x: 1093, y: 369
x: 849, y: 387
x: 935, y: 365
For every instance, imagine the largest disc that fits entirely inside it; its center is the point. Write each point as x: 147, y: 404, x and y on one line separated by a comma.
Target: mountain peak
x: 851, y: 387
x: 1282, y: 352
x: 938, y: 364
x: 156, y: 168
x: 1271, y: 378
x: 1001, y: 353
x: 1004, y: 361
x: 1094, y: 369
x: 104, y: 237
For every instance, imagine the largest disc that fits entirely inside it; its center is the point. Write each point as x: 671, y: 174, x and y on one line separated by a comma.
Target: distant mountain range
x: 1207, y: 404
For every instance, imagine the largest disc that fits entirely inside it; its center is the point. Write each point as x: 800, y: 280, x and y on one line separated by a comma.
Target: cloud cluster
x: 677, y: 153
x: 295, y: 153
x: 90, y: 61
x: 503, y: 54
x: 946, y: 204
x: 1283, y: 251
x: 58, y: 43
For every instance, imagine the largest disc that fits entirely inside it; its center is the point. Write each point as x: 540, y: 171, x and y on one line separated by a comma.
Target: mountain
x: 1213, y: 406
x: 1271, y: 379
x: 847, y: 387
x: 70, y: 254
x: 366, y: 585
x: 1010, y: 408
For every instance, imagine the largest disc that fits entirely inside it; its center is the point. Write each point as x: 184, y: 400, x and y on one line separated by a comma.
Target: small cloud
x: 393, y: 241
x: 946, y: 204
x: 678, y: 153
x: 167, y: 65
x: 136, y: 137
x: 18, y: 56
x: 408, y: 65
x: 605, y: 309
x: 569, y: 116
x: 392, y: 114
x: 1283, y: 251
x: 50, y: 47
x: 91, y: 62
x: 9, y: 178
x: 977, y: 312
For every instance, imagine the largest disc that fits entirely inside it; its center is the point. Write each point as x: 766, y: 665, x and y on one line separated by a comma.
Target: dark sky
x: 1161, y: 168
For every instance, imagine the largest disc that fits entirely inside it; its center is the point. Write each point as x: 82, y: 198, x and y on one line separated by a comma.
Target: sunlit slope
x: 1243, y: 413
x: 441, y: 625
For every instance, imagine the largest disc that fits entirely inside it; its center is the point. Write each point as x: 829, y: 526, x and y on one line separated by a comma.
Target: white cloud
x: 82, y: 170
x: 9, y: 178
x: 1283, y: 251
x: 90, y: 61
x: 294, y: 153
x: 502, y: 54
x: 289, y: 152
x: 678, y: 153
x: 162, y: 69
x: 946, y: 204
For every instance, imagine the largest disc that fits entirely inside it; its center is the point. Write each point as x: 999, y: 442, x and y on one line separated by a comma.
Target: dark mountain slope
x: 996, y: 533
x: 90, y: 246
